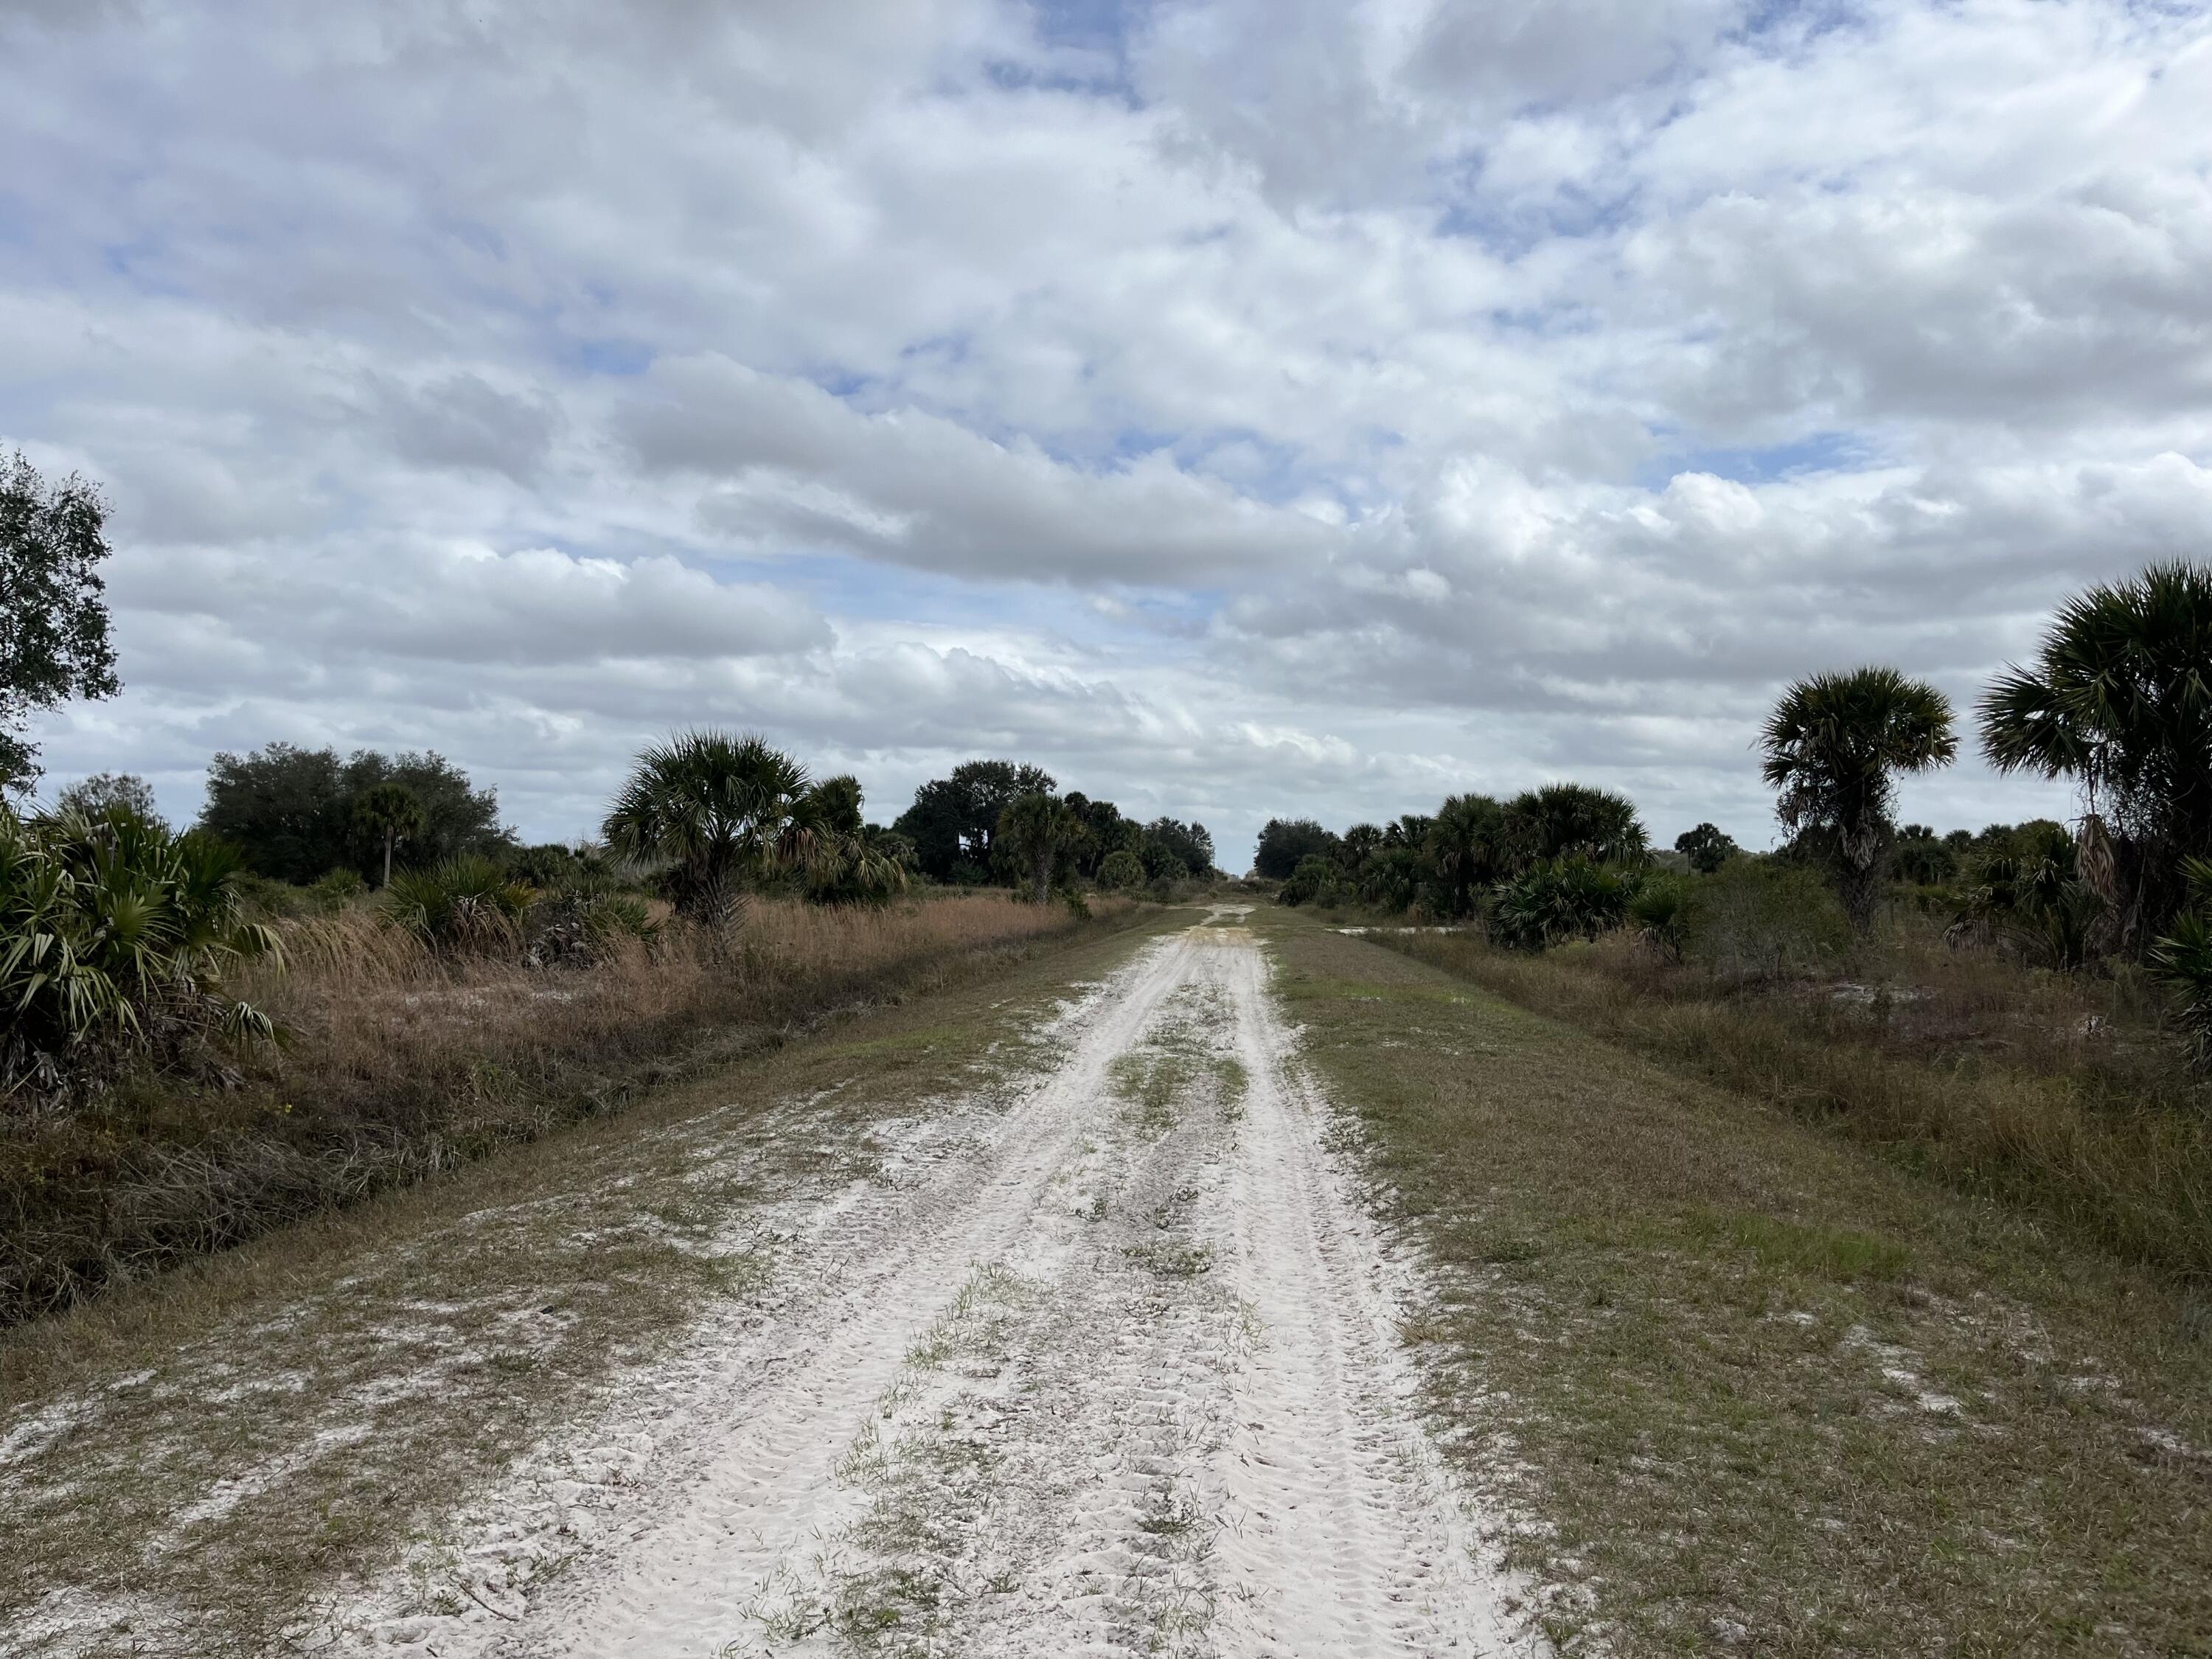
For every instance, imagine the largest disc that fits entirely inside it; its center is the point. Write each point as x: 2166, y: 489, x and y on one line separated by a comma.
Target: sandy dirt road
x: 1119, y: 1375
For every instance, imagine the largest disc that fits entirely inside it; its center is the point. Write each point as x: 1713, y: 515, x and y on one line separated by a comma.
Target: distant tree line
x: 2118, y: 699
x: 1001, y: 821
x: 298, y: 813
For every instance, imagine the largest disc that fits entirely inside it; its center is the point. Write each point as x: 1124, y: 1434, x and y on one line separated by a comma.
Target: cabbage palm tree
x: 1465, y: 846
x: 1573, y: 820
x: 392, y: 812
x: 2119, y: 699
x: 852, y: 861
x: 1037, y: 832
x: 719, y: 811
x: 1834, y: 745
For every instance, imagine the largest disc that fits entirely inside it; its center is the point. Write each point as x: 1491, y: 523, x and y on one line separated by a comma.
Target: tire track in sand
x: 1124, y: 1378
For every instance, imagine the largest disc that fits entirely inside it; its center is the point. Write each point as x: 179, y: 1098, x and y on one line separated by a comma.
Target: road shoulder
x: 1749, y: 1385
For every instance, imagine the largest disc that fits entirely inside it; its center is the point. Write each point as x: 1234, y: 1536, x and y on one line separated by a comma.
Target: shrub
x: 1658, y: 909
x: 550, y: 867
x: 1118, y: 872
x: 1559, y: 900
x: 1316, y: 881
x: 2028, y: 896
x: 333, y: 892
x: 115, y: 937
x: 1755, y: 918
x: 2182, y: 959
x: 464, y: 904
x: 578, y: 928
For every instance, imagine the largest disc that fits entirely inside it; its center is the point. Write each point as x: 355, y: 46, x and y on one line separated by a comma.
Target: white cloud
x: 1240, y: 407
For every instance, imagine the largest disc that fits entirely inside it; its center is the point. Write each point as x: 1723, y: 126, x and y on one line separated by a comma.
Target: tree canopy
x: 292, y: 810
x: 53, y: 612
x: 1285, y: 842
x: 1707, y: 847
x: 721, y: 813
x: 953, y: 820
x: 1573, y: 820
x: 1173, y: 849
x: 2119, y: 699
x: 110, y: 791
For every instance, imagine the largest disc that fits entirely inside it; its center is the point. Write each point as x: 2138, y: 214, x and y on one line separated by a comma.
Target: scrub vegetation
x: 349, y: 975
x: 2023, y: 1012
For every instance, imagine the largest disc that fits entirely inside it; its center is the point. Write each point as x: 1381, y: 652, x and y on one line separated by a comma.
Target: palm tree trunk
x: 387, y: 857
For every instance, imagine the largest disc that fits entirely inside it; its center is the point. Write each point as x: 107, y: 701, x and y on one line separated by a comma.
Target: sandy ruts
x: 1114, y: 1379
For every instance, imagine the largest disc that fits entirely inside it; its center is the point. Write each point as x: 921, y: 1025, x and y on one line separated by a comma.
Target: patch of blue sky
x: 1257, y: 466
x: 139, y: 263
x: 1090, y: 24
x: 603, y: 357
x: 1799, y: 21
x: 848, y: 385
x: 851, y: 589
x: 16, y: 220
x: 1815, y: 453
x: 1512, y: 228
x: 1084, y: 49
x: 1098, y: 77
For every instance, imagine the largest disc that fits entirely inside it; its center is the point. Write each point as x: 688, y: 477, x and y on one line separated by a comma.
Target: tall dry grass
x: 2060, y: 1093
x: 398, y: 1063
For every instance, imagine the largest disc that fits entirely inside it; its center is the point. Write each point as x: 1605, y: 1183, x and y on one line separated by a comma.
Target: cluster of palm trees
x: 2119, y: 698
x: 1469, y: 856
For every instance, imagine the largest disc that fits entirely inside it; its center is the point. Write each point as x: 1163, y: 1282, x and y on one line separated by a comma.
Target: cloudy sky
x: 1242, y: 407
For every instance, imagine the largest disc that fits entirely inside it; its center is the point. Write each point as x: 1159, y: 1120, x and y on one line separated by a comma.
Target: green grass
x: 450, y: 1325
x: 1734, y: 1382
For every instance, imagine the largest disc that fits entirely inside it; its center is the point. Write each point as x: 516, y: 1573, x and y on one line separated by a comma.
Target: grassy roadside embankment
x: 400, y: 1062
x: 194, y: 1464
x: 2057, y: 1094
x: 1744, y: 1384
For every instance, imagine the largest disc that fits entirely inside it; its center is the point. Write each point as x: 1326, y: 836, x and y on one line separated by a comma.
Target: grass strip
x: 2131, y: 1172
x: 1740, y: 1384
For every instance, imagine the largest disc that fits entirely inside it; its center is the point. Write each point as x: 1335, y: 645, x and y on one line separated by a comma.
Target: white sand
x: 1082, y: 1381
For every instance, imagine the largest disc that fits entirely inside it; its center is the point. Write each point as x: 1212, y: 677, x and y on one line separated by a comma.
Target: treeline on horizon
x: 309, y: 819
x: 2118, y: 700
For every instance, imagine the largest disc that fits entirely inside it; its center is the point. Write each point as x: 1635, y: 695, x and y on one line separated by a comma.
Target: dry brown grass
x: 2059, y: 1093
x: 399, y: 1064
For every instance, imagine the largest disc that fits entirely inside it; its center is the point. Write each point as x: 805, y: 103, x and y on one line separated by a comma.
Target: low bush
x: 468, y: 903
x: 1763, y: 919
x: 1317, y: 880
x: 117, y: 936
x: 2183, y: 961
x: 1119, y: 872
x: 1563, y: 899
x: 1660, y: 914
